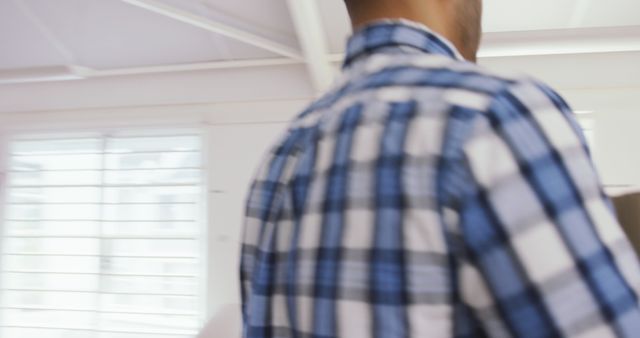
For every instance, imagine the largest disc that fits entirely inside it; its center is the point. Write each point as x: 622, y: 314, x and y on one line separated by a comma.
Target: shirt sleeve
x: 544, y: 253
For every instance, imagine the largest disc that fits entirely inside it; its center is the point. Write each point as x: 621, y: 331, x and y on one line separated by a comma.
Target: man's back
x: 426, y: 197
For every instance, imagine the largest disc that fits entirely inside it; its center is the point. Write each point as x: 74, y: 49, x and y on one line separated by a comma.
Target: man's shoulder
x: 424, y: 77
x: 429, y: 70
x: 435, y: 82
x: 458, y: 82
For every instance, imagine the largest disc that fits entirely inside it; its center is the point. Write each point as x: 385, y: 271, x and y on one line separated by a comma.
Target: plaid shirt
x: 425, y: 196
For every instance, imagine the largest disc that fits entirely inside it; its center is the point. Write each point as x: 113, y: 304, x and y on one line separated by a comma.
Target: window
x: 101, y: 237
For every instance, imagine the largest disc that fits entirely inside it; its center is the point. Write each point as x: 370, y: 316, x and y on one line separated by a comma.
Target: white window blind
x: 101, y: 237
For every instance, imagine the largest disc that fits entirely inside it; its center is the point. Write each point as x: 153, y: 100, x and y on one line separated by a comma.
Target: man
x: 424, y: 196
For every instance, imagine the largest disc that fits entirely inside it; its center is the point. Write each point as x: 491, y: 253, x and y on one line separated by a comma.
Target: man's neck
x: 428, y: 13
x: 365, y: 12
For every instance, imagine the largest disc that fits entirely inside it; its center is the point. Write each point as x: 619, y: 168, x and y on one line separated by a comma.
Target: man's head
x: 458, y: 20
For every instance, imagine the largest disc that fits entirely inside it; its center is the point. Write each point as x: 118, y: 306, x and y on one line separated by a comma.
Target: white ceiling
x: 526, y: 15
x: 105, y: 34
x: 111, y: 35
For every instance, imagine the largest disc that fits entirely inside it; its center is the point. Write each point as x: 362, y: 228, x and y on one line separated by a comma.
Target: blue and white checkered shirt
x: 427, y: 197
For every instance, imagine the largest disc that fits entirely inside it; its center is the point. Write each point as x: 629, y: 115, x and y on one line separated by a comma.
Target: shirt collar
x: 397, y: 36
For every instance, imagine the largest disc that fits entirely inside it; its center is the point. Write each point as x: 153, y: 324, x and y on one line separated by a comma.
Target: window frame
x: 139, y: 123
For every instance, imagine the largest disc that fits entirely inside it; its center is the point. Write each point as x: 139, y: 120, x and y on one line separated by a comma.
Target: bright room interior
x: 130, y: 129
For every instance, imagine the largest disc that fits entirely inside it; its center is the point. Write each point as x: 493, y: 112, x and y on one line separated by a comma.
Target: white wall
x: 237, y: 135
x: 237, y: 145
x: 608, y: 84
x: 617, y: 132
x: 575, y: 71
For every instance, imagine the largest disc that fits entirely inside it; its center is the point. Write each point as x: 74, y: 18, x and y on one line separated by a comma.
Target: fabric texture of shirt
x: 425, y: 196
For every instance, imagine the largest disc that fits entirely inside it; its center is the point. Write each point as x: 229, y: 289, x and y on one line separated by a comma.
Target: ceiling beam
x: 313, y: 40
x: 42, y: 74
x: 217, y: 27
x: 63, y: 73
x: 561, y: 41
x: 234, y: 64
